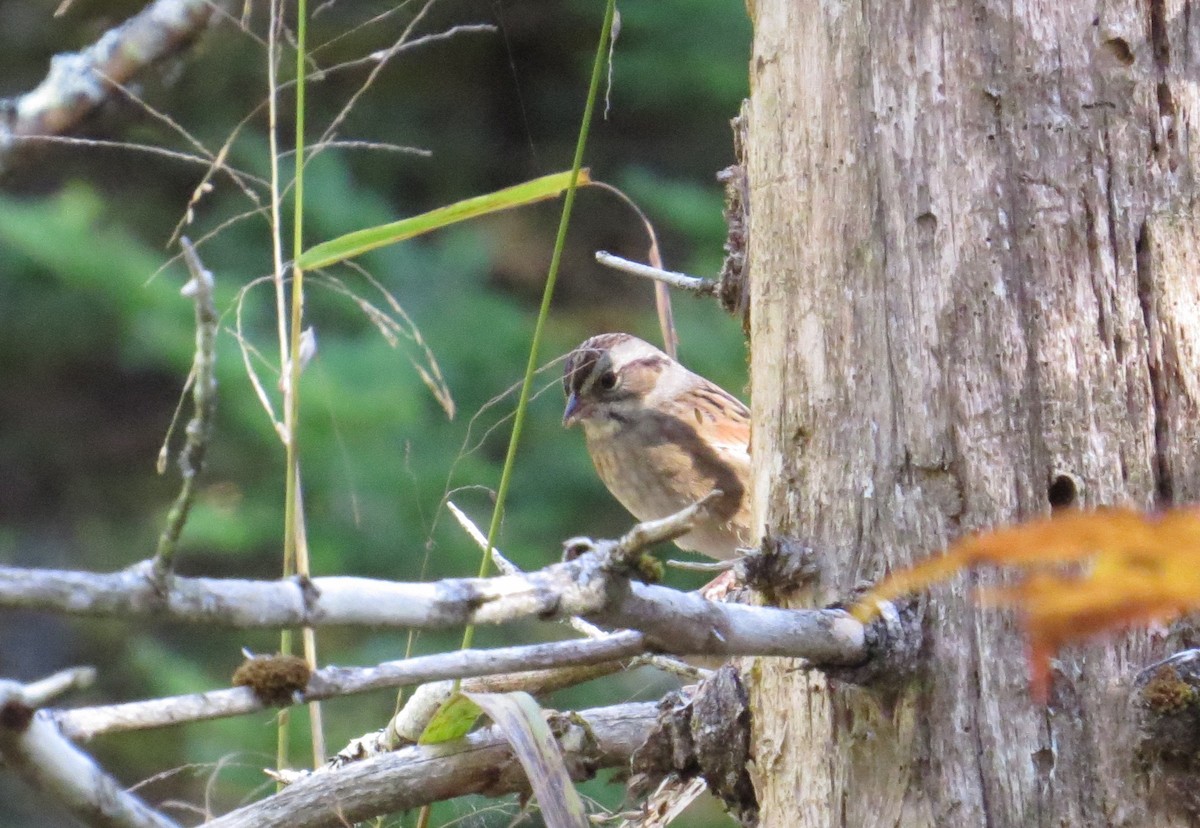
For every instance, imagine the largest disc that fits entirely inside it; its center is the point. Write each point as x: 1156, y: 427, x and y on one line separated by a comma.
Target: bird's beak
x: 571, y: 412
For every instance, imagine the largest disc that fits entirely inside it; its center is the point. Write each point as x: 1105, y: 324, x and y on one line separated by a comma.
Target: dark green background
x: 95, y: 341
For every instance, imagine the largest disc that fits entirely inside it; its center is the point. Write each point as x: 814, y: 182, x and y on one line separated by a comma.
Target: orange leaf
x: 1086, y: 574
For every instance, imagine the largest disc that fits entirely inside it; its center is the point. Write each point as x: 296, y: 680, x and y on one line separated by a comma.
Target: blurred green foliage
x: 96, y: 341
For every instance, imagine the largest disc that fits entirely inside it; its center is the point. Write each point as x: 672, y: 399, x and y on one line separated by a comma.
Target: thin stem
x: 273, y: 139
x: 285, y: 637
x: 547, y: 294
x: 543, y: 313
x: 295, y: 547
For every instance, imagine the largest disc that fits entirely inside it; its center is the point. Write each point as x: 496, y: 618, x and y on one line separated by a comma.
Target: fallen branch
x: 406, y: 727
x: 480, y: 763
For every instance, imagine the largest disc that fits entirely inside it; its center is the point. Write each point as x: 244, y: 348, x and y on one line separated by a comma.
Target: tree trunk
x: 974, y: 294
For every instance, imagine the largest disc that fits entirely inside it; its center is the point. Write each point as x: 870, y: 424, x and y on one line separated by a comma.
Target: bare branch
x: 649, y: 532
x: 40, y: 693
x: 665, y: 663
x: 594, y: 584
x: 405, y: 45
x: 683, y: 624
x: 704, y: 287
x: 34, y: 748
x: 502, y: 564
x: 85, y: 723
x: 79, y: 81
x: 573, y: 588
x: 678, y: 622
x: 320, y: 602
x: 480, y: 763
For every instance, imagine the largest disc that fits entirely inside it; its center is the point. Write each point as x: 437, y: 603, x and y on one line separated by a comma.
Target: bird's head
x: 609, y: 378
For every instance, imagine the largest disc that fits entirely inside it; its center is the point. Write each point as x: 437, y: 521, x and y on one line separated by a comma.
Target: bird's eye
x: 608, y: 381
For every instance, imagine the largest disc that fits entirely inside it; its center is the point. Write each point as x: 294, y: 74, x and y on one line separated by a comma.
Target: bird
x: 661, y: 437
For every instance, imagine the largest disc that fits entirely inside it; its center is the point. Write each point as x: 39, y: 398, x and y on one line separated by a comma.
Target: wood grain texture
x: 973, y: 256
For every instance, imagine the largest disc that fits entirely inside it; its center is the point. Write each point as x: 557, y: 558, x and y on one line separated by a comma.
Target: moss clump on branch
x: 274, y: 679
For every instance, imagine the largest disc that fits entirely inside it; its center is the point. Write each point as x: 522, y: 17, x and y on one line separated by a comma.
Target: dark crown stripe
x: 582, y: 361
x: 579, y: 367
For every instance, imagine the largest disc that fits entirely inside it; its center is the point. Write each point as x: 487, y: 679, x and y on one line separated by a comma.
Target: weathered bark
x: 974, y: 291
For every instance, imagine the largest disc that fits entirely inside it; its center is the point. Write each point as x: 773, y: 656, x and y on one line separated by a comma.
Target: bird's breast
x: 653, y: 479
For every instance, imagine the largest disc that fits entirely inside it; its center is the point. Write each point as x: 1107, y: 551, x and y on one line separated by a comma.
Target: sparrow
x: 662, y: 437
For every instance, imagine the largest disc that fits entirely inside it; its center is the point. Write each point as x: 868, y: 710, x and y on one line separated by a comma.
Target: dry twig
x: 704, y: 287
x: 204, y: 398
x: 78, y: 82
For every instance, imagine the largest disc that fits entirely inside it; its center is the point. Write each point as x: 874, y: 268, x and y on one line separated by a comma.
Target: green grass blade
x: 360, y: 241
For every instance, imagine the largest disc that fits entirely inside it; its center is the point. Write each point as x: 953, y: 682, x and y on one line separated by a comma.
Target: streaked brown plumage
x: 662, y: 437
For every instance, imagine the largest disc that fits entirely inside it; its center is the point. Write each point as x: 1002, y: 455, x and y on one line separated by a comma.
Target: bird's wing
x: 721, y: 422
x: 721, y: 418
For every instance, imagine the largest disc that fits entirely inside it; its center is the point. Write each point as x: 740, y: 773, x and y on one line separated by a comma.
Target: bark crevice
x: 1143, y: 257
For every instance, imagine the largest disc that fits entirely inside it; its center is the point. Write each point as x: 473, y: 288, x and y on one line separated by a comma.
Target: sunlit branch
x: 594, y: 584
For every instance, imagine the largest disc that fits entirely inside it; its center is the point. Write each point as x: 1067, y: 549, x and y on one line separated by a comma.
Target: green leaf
x: 453, y: 720
x: 360, y: 241
x: 520, y: 718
